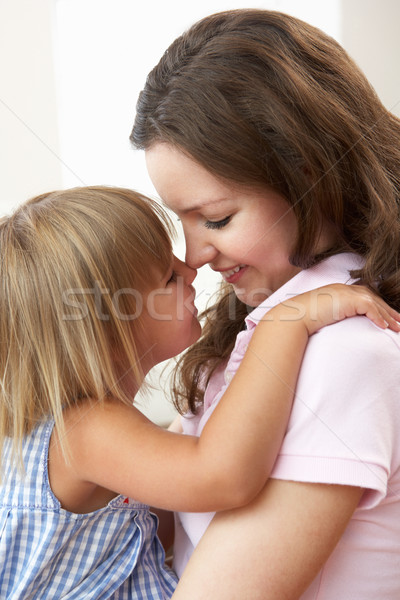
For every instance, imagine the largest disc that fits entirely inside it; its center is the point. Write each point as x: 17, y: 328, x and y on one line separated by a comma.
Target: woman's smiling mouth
x: 232, y: 275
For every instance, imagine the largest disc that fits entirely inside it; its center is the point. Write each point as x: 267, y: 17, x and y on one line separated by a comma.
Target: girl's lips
x: 233, y: 275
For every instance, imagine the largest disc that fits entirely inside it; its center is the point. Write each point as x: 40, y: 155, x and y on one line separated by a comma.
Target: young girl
x: 91, y: 298
x: 284, y: 168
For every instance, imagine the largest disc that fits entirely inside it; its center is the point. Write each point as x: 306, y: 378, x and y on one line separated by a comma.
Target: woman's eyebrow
x: 198, y: 207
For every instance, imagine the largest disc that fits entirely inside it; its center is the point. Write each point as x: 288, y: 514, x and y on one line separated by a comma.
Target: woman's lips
x: 233, y: 275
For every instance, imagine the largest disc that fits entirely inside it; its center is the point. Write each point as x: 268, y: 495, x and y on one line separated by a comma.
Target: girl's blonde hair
x: 74, y: 265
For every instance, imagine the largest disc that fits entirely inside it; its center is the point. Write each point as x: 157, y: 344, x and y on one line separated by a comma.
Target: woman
x: 284, y: 168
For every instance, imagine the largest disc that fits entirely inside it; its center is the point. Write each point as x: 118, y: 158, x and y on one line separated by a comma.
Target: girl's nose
x: 187, y: 272
x: 190, y: 274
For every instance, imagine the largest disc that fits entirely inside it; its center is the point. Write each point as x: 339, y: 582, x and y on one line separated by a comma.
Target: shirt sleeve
x: 345, y: 415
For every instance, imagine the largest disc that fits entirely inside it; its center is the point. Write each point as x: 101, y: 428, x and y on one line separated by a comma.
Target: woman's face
x: 245, y: 234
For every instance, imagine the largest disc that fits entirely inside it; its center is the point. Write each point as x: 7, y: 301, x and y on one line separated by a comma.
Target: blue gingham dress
x: 47, y: 552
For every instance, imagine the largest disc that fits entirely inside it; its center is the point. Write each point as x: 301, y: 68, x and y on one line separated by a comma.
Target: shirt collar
x: 334, y: 269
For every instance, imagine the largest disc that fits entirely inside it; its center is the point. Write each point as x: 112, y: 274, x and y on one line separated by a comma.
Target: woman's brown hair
x: 262, y: 98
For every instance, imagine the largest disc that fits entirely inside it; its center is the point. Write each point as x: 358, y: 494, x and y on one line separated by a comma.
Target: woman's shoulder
x: 353, y: 354
x: 359, y: 335
x: 346, y: 416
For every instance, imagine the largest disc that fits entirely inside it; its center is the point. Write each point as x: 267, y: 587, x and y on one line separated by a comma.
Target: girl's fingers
x: 335, y: 302
x: 384, y: 319
x: 345, y: 301
x: 381, y: 320
x: 379, y: 312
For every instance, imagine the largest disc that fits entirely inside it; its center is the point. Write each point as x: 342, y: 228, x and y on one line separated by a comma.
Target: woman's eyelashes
x: 217, y: 224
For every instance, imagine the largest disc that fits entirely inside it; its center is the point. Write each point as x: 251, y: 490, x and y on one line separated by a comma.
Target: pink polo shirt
x: 344, y: 429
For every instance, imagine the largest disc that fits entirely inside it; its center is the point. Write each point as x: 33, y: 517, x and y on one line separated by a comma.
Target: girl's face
x: 245, y: 234
x: 169, y: 316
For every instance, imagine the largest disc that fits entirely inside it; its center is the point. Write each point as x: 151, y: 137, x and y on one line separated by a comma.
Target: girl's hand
x: 332, y: 303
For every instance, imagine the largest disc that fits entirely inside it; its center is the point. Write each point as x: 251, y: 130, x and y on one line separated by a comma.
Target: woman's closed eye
x: 217, y: 224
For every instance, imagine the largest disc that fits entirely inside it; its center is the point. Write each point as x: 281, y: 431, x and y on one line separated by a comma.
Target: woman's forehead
x: 182, y: 183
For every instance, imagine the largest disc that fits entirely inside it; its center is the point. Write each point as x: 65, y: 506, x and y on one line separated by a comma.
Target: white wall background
x: 71, y: 70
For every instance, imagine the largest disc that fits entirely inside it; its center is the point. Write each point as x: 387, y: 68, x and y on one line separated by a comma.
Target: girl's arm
x: 116, y: 448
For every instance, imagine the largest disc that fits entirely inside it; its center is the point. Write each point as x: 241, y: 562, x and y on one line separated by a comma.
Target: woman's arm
x: 115, y: 447
x: 272, y: 548
x: 343, y: 431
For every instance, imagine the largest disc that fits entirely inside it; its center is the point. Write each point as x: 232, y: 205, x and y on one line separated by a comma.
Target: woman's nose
x: 198, y: 253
